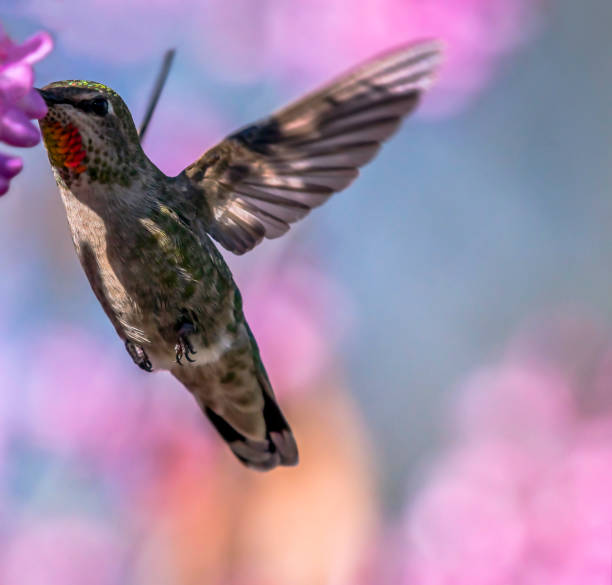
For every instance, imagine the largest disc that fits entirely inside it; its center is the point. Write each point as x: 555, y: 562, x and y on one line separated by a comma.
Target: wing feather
x: 264, y: 177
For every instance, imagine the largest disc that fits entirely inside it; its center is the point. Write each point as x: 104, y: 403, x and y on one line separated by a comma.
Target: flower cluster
x: 19, y: 101
x: 302, y: 43
x: 523, y: 493
x: 309, y: 42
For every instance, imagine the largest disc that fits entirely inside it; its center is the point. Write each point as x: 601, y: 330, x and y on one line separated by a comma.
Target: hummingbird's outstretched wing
x: 270, y: 174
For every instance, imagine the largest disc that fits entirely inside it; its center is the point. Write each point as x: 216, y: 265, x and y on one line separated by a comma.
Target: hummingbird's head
x: 88, y: 131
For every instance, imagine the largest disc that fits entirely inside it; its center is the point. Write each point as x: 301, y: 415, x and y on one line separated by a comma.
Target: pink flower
x: 19, y: 101
x: 474, y: 495
x: 304, y: 43
x: 522, y: 495
x: 290, y: 312
x: 86, y: 403
x: 65, y: 551
x: 308, y: 42
x: 496, y: 398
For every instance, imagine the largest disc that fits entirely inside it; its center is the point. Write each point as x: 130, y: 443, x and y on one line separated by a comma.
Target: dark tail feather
x: 278, y: 448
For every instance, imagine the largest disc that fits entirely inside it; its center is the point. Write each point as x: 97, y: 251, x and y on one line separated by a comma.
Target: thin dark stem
x: 159, y: 85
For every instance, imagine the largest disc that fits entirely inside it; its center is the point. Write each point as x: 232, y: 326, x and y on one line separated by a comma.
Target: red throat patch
x: 65, y: 146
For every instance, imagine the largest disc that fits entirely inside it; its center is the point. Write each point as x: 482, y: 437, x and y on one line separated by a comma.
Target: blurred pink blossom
x: 67, y: 551
x: 290, y: 311
x: 466, y: 527
x: 19, y: 102
x: 301, y: 42
x: 82, y: 430
x: 83, y: 401
x: 79, y: 400
x: 307, y: 42
x: 522, y: 496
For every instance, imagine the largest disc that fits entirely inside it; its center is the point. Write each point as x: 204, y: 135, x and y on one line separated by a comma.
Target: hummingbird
x: 145, y: 240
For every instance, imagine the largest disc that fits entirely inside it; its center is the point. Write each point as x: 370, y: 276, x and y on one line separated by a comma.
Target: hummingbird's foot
x: 139, y: 355
x: 184, y: 348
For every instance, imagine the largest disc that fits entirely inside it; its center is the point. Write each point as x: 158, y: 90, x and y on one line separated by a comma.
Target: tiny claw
x: 184, y: 348
x: 139, y: 355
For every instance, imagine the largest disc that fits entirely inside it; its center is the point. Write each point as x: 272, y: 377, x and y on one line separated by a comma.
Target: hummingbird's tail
x: 277, y: 448
x: 237, y: 397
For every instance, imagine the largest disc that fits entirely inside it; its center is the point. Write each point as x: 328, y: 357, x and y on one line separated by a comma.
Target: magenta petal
x: 33, y: 105
x: 19, y: 101
x: 9, y: 166
x: 16, y: 129
x: 33, y: 49
x: 15, y: 82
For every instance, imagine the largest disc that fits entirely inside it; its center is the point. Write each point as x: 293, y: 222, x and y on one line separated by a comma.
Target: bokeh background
x: 438, y: 335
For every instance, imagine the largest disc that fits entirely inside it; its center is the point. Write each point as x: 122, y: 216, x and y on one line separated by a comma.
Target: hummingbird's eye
x: 99, y: 106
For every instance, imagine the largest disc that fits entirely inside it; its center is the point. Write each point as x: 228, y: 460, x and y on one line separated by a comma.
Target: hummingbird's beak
x: 49, y: 97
